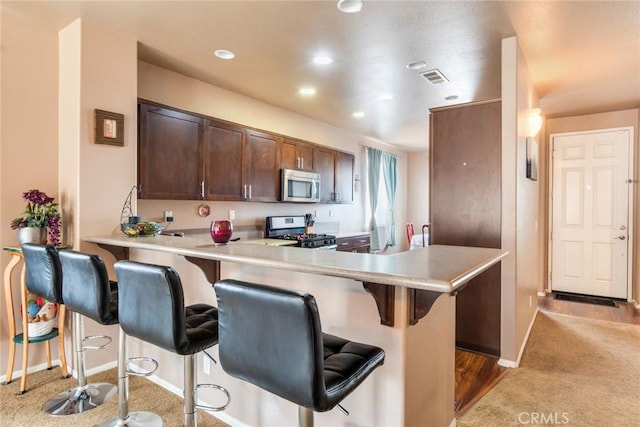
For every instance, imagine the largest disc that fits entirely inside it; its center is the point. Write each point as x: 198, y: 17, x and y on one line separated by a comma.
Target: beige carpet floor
x: 574, y: 371
x: 25, y: 410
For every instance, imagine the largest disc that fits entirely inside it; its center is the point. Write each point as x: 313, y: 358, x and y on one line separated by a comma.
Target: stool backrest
x: 151, y: 304
x: 86, y: 288
x: 271, y: 338
x: 43, y: 271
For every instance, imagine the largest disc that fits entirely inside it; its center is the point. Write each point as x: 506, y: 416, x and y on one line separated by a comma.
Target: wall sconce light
x: 356, y: 183
x: 534, y: 122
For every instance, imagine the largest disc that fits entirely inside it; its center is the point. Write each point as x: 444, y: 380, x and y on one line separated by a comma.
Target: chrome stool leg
x: 190, y: 392
x: 124, y: 418
x: 305, y: 417
x: 85, y: 396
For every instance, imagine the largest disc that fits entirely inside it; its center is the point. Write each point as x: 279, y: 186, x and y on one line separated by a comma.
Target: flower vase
x: 37, y: 235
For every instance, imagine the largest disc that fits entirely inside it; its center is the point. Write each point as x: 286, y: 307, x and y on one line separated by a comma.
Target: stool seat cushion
x: 346, y: 364
x: 202, y: 328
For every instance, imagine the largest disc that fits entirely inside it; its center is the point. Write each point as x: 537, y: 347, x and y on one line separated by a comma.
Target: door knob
x: 621, y: 237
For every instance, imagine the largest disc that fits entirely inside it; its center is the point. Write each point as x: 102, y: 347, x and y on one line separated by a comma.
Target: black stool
x: 272, y: 338
x: 43, y: 277
x: 146, y: 289
x: 87, y: 291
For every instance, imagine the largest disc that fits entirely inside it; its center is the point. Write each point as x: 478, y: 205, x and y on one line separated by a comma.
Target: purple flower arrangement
x: 41, y: 211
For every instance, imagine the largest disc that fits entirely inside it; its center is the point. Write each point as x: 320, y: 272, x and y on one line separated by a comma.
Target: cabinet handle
x: 249, y: 191
x: 337, y: 197
x: 344, y: 244
x: 202, y: 190
x: 244, y: 191
x: 301, y: 162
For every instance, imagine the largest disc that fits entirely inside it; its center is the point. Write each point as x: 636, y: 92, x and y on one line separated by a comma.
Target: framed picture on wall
x: 109, y: 128
x: 532, y: 159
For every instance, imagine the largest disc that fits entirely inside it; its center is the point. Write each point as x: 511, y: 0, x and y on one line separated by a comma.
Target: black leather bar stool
x: 273, y: 339
x: 43, y: 277
x: 147, y: 290
x: 86, y: 291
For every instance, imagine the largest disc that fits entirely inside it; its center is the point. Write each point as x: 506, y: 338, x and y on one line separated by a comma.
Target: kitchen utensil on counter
x: 309, y: 220
x: 221, y: 231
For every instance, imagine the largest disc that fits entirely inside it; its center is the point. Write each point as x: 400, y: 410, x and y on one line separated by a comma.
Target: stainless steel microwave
x: 299, y: 186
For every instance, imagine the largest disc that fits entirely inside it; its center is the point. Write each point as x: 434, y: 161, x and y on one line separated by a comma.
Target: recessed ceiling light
x: 349, y: 6
x: 452, y: 97
x: 322, y: 60
x: 307, y: 91
x: 358, y: 114
x: 416, y: 65
x: 224, y: 54
x: 385, y: 97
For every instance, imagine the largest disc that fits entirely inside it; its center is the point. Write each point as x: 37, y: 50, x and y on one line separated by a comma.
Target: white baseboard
x: 515, y: 363
x: 222, y: 416
x: 453, y: 423
x: 31, y: 370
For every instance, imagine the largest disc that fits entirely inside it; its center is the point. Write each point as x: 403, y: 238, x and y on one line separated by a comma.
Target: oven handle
x: 327, y: 248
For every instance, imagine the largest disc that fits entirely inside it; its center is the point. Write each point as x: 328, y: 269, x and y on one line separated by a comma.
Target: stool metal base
x: 80, y: 399
x: 135, y: 419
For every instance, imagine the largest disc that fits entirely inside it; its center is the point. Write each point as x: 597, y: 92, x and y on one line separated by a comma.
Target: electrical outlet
x: 232, y: 215
x: 206, y: 364
x: 168, y: 216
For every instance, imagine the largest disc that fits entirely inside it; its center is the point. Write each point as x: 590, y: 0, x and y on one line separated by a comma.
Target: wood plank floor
x: 477, y: 373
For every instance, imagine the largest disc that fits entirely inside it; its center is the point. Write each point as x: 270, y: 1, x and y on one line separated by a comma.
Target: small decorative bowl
x: 141, y: 229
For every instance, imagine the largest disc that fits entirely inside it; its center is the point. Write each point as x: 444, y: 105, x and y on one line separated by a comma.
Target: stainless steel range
x: 293, y: 228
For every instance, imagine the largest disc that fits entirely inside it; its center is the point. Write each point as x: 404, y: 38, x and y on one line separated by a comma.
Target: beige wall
x: 418, y: 189
x: 520, y: 222
x: 608, y: 120
x: 28, y: 137
x: 95, y: 178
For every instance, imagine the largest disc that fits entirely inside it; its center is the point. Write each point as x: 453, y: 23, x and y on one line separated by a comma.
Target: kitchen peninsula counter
x: 436, y: 268
x: 413, y: 319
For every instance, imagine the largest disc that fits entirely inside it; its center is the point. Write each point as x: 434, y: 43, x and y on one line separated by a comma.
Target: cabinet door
x: 324, y: 164
x: 296, y: 155
x: 169, y: 165
x: 305, y: 152
x: 289, y: 158
x: 262, y: 166
x: 223, y: 149
x: 344, y: 177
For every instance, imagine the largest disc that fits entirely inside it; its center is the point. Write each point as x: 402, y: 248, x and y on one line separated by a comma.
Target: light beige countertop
x: 434, y: 268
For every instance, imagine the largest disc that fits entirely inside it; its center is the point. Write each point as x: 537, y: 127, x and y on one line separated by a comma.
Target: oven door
x: 298, y: 186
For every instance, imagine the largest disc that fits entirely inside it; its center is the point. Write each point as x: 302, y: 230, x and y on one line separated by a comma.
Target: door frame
x: 630, y: 212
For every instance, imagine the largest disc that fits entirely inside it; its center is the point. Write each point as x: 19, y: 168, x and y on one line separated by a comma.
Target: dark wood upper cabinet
x: 169, y: 154
x: 223, y: 156
x: 465, y: 202
x: 325, y: 165
x: 185, y: 156
x: 296, y: 155
x: 344, y: 177
x: 262, y: 161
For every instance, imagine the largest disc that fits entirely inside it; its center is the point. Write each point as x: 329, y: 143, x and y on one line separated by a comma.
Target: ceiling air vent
x: 435, y: 77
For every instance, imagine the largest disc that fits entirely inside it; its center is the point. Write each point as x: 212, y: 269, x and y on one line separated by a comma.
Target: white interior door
x: 590, y: 213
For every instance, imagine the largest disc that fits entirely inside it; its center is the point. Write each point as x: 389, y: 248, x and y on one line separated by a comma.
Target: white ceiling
x: 583, y: 57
